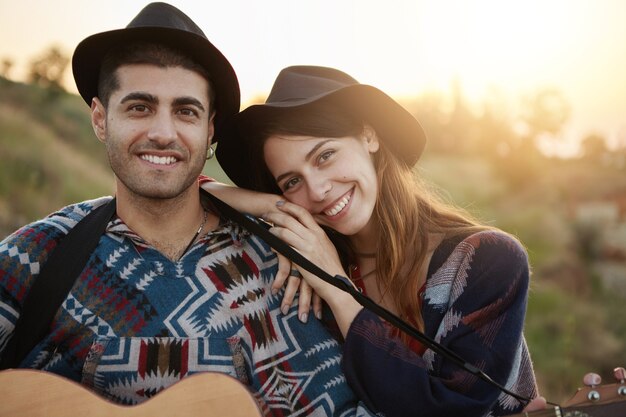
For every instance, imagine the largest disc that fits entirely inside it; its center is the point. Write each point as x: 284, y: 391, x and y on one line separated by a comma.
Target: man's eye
x: 188, y: 112
x: 139, y: 108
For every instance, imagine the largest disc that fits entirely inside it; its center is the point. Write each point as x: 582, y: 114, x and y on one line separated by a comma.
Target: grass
x: 50, y: 157
x: 573, y: 325
x: 42, y: 169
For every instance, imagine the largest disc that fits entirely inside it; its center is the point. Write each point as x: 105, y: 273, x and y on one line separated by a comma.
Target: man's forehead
x: 169, y: 82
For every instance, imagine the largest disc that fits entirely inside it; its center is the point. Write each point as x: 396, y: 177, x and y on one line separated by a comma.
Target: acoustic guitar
x: 594, y: 400
x: 31, y: 393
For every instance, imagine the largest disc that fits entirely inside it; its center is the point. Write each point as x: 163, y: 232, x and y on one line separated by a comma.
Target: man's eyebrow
x: 306, y: 158
x: 185, y: 101
x: 138, y: 95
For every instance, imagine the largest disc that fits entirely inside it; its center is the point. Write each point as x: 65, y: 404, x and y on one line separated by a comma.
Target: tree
x: 47, y: 70
x: 497, y: 137
x: 461, y: 128
x: 7, y: 65
x: 594, y: 148
x: 545, y: 112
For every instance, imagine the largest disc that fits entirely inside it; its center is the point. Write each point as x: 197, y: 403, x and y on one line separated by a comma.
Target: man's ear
x: 211, y: 129
x: 98, y: 119
x: 371, y: 138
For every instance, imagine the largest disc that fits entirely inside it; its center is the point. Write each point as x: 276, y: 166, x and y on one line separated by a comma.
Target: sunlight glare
x: 487, y: 42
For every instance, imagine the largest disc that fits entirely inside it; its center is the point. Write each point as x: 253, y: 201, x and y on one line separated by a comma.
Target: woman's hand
x: 258, y: 204
x: 289, y: 274
x: 536, y: 404
x: 294, y: 225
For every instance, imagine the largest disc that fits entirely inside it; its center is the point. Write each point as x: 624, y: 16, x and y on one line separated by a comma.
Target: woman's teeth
x: 335, y: 210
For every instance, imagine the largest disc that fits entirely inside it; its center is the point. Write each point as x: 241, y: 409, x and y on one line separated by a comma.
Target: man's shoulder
x: 55, y: 225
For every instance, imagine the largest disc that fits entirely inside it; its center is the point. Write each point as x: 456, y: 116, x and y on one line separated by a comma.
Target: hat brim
x: 398, y: 128
x: 88, y: 56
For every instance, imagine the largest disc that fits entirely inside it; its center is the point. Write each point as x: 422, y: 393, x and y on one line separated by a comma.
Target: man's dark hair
x: 145, y: 53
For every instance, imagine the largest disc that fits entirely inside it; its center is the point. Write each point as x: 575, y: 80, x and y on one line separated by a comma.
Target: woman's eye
x: 326, y: 155
x: 290, y: 184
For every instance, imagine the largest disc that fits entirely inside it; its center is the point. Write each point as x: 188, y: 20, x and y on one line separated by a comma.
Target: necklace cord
x: 195, y: 236
x: 260, y: 229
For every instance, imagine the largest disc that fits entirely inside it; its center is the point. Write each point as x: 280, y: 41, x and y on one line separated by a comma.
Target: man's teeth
x: 159, y: 160
x: 335, y: 210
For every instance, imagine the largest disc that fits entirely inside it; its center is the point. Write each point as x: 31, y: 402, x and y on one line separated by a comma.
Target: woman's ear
x: 98, y: 119
x: 371, y: 138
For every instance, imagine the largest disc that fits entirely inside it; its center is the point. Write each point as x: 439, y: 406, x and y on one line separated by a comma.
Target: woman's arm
x: 475, y: 306
x: 260, y: 204
x: 247, y: 201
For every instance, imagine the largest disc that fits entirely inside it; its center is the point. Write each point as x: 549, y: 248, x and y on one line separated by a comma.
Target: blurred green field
x: 575, y: 323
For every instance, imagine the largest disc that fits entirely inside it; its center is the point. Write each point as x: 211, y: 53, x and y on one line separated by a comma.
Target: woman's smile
x: 338, y: 207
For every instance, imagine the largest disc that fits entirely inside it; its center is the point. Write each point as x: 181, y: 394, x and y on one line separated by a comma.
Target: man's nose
x: 163, y: 128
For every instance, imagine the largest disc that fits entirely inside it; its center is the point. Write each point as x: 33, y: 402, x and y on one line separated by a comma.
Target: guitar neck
x: 615, y: 409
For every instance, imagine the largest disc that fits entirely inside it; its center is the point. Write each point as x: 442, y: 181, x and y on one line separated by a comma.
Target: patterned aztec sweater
x: 474, y: 303
x: 134, y: 322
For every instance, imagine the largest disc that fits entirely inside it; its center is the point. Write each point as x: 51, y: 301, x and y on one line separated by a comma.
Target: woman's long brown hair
x: 408, y: 210
x: 409, y: 213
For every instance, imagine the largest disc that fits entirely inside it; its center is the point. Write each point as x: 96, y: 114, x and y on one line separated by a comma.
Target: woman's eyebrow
x: 315, y: 148
x: 306, y: 158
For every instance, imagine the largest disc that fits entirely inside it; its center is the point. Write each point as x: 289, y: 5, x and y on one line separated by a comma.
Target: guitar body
x: 32, y: 393
x: 27, y: 393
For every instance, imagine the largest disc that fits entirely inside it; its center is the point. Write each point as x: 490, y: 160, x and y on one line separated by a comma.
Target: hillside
x: 570, y: 215
x: 50, y: 155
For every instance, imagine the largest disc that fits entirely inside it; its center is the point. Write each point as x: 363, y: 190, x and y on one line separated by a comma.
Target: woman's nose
x: 319, y: 189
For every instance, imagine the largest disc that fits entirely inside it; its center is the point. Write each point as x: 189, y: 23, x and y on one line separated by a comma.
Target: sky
x: 404, y: 47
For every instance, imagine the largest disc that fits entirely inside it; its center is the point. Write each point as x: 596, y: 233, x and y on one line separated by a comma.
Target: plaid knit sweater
x: 474, y: 303
x: 135, y: 322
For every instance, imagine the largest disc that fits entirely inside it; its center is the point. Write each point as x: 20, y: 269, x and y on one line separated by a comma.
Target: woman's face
x: 333, y: 178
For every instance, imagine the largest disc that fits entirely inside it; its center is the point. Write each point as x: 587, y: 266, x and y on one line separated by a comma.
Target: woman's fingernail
x: 274, y: 291
x: 284, y: 309
x: 318, y: 314
x: 304, y: 317
x: 280, y: 203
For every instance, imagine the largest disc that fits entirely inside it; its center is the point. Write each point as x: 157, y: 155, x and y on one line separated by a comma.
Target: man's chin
x: 158, y: 188
x: 160, y: 193
x: 165, y: 193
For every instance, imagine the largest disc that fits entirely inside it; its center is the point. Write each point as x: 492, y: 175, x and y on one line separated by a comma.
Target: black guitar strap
x: 260, y: 229
x: 68, y: 260
x: 54, y: 282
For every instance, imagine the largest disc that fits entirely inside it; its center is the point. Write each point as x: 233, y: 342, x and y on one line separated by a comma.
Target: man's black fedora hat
x: 299, y: 86
x: 164, y: 24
